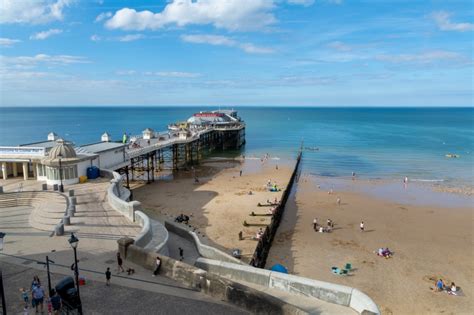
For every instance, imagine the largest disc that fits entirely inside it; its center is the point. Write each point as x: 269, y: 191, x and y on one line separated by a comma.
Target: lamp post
x: 61, y: 187
x: 2, y: 290
x: 47, y: 270
x: 74, y: 241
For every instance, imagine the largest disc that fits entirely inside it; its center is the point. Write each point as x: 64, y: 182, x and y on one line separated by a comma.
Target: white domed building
x: 62, y: 161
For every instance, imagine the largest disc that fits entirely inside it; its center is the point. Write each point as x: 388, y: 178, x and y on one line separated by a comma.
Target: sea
x: 375, y: 143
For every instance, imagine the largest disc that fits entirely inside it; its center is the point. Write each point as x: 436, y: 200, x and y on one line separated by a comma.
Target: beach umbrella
x: 279, y: 268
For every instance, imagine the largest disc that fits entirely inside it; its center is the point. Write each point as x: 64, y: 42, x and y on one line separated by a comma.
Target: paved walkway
x: 97, y: 298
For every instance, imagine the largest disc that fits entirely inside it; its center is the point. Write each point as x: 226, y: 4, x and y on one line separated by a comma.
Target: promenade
x: 97, y: 227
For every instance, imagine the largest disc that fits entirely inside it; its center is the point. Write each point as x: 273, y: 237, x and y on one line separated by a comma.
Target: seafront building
x: 57, y: 160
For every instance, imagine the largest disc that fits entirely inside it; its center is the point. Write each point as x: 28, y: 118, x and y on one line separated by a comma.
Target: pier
x: 139, y: 157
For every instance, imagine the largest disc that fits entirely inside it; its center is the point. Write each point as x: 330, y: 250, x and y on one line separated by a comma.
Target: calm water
x: 373, y: 142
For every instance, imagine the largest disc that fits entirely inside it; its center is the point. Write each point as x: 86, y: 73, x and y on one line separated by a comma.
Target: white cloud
x: 219, y: 40
x: 423, y: 58
x: 178, y: 74
x: 27, y: 62
x: 103, y: 16
x: 252, y: 49
x: 32, y: 11
x: 125, y: 72
x: 216, y: 40
x: 130, y: 37
x: 8, y: 42
x: 305, y: 3
x: 444, y: 23
x: 231, y: 15
x: 95, y: 38
x: 45, y: 34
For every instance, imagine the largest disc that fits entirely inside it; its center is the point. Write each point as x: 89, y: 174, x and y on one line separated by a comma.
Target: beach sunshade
x: 279, y: 268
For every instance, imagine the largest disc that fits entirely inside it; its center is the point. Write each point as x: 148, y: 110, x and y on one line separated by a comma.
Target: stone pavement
x: 97, y: 298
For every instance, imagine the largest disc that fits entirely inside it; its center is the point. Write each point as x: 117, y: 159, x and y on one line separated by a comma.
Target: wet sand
x: 220, y: 202
x: 429, y: 242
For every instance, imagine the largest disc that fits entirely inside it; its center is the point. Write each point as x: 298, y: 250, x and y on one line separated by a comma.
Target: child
x: 24, y: 296
x: 50, y: 306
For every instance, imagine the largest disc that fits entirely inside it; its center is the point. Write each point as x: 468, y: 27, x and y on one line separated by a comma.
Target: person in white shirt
x: 362, y: 226
x: 315, y: 224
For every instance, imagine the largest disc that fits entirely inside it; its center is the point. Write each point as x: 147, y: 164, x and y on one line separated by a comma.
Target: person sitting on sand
x: 321, y: 229
x: 453, y: 289
x: 259, y: 234
x: 380, y: 251
x: 386, y: 253
x: 440, y: 285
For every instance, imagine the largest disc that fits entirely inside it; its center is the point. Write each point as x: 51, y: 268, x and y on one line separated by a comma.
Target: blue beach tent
x: 279, y: 268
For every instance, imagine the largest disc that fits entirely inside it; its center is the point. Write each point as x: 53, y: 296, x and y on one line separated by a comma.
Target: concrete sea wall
x: 260, y: 255
x: 329, y: 292
x: 117, y: 195
x: 210, y: 284
x: 203, y: 250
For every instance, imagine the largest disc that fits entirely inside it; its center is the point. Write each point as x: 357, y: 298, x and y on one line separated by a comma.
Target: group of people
x: 384, y: 252
x: 182, y: 218
x: 259, y: 234
x: 272, y: 186
x: 39, y: 297
x: 452, y: 289
x: 320, y: 228
x: 330, y: 225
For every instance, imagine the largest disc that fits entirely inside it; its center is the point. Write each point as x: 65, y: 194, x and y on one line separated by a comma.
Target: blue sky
x: 236, y: 52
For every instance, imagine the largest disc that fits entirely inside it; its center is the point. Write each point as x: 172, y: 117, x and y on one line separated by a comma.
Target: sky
x: 236, y: 52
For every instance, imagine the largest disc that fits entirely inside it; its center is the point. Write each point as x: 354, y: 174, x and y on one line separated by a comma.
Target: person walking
x: 315, y: 224
x: 24, y: 297
x: 38, y: 297
x: 124, y: 138
x: 362, y: 226
x: 240, y: 172
x: 55, y: 302
x: 181, y: 253
x: 158, y: 265
x: 119, y: 264
x: 108, y: 275
x: 338, y: 201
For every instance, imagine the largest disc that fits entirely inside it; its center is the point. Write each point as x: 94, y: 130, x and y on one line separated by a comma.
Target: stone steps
x: 48, y: 207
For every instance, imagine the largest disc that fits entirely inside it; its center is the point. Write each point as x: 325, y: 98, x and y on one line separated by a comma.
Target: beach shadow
x: 192, y: 200
x: 368, y: 231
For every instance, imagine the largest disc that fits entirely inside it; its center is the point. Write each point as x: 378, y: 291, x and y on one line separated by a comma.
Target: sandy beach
x: 429, y: 242
x: 220, y: 202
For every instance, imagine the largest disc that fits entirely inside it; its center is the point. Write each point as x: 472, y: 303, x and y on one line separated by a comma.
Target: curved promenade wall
x: 203, y: 250
x: 254, y: 301
x: 117, y: 195
x: 329, y: 292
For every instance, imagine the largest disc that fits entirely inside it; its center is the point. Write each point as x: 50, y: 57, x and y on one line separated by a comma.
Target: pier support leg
x: 15, y: 169
x: 25, y: 170
x: 4, y: 170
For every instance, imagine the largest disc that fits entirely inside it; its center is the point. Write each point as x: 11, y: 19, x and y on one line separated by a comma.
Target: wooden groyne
x: 260, y: 255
